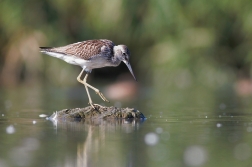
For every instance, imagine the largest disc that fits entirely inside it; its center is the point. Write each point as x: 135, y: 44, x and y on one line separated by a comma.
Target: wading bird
x: 89, y: 55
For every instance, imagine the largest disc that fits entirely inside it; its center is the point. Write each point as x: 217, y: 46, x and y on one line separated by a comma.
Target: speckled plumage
x: 89, y: 55
x: 86, y: 49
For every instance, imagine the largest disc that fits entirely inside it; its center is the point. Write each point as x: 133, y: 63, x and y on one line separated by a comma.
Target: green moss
x: 100, y: 112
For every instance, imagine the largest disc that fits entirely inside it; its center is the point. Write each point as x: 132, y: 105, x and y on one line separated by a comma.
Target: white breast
x: 97, y: 62
x: 69, y: 59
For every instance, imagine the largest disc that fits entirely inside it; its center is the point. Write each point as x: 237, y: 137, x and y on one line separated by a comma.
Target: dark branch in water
x: 101, y: 112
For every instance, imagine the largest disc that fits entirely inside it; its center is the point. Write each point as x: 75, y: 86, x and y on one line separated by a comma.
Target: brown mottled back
x: 85, y: 49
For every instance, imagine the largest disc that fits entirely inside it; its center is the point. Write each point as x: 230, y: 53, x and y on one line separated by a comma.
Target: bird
x: 89, y: 55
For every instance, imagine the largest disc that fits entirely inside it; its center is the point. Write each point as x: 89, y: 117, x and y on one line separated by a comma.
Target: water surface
x: 183, y: 131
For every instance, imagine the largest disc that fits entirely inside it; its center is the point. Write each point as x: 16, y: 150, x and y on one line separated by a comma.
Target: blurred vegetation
x: 171, y: 42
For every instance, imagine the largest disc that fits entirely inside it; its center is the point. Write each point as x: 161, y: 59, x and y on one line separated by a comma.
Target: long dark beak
x: 130, y: 69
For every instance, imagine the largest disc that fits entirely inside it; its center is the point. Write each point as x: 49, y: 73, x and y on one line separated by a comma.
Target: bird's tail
x: 45, y: 49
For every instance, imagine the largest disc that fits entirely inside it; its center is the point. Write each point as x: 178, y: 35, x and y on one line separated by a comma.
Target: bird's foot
x: 94, y: 105
x: 91, y: 104
x: 101, y: 95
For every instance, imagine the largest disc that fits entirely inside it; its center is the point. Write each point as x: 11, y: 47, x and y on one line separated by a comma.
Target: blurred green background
x: 172, y: 43
x: 192, y: 60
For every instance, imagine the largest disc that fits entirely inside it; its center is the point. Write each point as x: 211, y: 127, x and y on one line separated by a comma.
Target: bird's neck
x: 115, y: 60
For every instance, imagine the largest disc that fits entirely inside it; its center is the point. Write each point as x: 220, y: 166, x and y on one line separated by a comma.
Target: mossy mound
x: 100, y: 112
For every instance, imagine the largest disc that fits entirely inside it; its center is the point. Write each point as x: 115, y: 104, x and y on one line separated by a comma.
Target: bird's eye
x: 125, y: 56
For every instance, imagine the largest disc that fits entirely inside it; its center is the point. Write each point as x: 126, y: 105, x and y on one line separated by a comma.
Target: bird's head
x: 122, y: 53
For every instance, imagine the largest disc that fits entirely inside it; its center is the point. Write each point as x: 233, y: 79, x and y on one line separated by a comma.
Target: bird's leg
x: 79, y: 79
x: 79, y: 76
x: 90, y: 100
x: 95, y: 89
x: 84, y: 82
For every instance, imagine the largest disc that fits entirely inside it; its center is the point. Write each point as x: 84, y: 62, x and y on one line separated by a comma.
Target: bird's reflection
x: 97, y: 145
x: 107, y: 125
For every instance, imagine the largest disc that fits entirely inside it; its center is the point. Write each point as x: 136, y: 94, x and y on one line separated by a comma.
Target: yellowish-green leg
x: 84, y: 82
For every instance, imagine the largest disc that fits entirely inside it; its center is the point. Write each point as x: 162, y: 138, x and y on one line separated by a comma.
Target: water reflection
x: 195, y: 155
x: 10, y: 129
x: 192, y: 140
x: 97, y: 132
x: 126, y: 125
x: 183, y: 129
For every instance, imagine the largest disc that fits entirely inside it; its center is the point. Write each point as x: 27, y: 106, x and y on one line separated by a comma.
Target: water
x: 179, y: 132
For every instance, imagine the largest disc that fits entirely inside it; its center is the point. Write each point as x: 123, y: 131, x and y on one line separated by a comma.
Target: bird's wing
x: 85, y: 49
